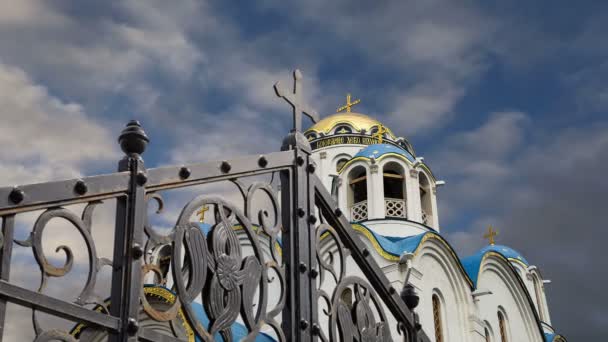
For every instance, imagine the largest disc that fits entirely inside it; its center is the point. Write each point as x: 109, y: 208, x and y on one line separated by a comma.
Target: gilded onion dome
x: 357, y: 122
x: 369, y: 130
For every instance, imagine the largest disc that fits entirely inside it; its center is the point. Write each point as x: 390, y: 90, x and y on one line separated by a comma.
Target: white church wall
x: 536, y: 289
x: 507, y: 296
x: 440, y: 273
x: 327, y: 157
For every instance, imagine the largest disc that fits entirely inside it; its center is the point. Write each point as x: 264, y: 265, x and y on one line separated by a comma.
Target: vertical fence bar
x: 297, y: 220
x: 8, y: 226
x: 128, y: 239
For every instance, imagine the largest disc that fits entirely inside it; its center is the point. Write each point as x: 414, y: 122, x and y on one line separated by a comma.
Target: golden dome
x: 355, y: 120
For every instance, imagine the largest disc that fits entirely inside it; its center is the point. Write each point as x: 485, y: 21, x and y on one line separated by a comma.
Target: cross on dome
x: 380, y: 133
x: 348, y: 104
x: 201, y: 213
x: 490, y: 235
x: 295, y: 100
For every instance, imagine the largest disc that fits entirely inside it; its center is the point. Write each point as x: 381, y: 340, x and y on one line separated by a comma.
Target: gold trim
x: 428, y: 235
x: 169, y: 297
x: 159, y: 292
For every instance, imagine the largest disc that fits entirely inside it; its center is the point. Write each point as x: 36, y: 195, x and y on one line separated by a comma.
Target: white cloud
x: 24, y: 12
x: 43, y: 137
x: 424, y: 106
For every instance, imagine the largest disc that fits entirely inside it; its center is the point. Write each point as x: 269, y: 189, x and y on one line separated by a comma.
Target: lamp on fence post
x: 410, y: 297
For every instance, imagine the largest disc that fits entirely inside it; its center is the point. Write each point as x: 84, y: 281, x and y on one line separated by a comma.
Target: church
x: 391, y: 197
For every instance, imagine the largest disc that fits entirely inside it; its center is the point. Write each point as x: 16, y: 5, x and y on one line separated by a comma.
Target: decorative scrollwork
x: 352, y: 314
x: 215, y: 268
x: 35, y: 241
x: 83, y: 226
x: 350, y: 307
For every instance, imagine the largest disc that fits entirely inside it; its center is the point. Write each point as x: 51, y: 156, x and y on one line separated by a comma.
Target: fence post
x: 8, y: 226
x: 299, y: 241
x: 128, y: 238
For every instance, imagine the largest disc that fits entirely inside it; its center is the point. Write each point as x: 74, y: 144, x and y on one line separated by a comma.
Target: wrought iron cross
x: 348, y: 104
x: 295, y: 100
x: 490, y: 235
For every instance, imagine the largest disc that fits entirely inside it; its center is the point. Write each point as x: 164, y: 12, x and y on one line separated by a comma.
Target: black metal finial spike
x: 133, y: 139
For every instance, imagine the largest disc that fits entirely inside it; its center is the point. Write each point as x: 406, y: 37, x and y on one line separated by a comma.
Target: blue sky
x: 508, y: 103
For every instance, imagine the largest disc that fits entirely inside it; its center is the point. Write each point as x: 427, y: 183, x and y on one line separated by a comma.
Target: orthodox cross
x: 295, y: 100
x: 380, y: 133
x: 201, y: 213
x: 348, y: 104
x: 490, y: 235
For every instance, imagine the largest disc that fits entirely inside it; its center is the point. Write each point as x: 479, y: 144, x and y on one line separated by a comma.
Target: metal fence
x: 279, y: 271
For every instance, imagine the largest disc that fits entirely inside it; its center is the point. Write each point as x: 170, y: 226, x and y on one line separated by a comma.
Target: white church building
x: 391, y: 197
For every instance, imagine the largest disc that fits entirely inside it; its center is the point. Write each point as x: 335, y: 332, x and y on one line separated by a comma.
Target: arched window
x: 502, y: 325
x: 437, y: 319
x: 340, y: 164
x: 394, y: 191
x: 357, y: 193
x: 487, y: 333
x: 425, y: 199
x: 538, y: 291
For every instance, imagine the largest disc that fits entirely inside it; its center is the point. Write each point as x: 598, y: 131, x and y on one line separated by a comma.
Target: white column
x: 414, y: 207
x: 375, y: 193
x: 434, y: 208
x: 324, y: 169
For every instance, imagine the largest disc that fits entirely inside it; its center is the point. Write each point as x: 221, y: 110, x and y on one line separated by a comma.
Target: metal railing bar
x: 56, y: 307
x: 31, y: 197
x: 171, y: 177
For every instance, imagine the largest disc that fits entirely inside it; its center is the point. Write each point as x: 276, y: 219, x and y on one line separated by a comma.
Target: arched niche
x: 439, y: 316
x: 340, y: 161
x: 357, y: 193
x: 503, y: 325
x: 395, y: 191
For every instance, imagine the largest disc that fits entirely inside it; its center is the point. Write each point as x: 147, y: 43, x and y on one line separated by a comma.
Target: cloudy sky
x: 508, y: 104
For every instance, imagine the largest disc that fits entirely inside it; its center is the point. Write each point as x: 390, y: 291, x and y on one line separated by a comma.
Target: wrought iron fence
x: 290, y: 269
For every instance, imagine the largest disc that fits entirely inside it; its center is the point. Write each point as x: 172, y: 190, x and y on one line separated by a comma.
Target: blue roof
x: 396, y: 245
x: 379, y: 150
x: 551, y: 337
x: 471, y: 263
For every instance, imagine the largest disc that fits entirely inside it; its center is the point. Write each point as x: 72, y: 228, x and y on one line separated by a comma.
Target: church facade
x: 391, y: 197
